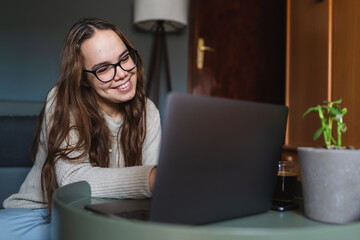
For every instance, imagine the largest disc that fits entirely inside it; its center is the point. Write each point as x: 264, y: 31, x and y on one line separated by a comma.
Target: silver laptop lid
x: 218, y: 159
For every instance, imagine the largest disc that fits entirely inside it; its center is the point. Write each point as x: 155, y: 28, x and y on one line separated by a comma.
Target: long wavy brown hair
x: 75, y: 98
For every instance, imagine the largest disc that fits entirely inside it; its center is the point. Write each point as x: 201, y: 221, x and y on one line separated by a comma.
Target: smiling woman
x: 97, y: 125
x: 105, y: 53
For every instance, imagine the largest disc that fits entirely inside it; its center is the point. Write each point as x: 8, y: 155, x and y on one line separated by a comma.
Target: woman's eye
x: 102, y: 69
x: 125, y: 58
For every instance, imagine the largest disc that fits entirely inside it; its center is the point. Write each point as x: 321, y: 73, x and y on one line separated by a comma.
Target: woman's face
x: 105, y: 47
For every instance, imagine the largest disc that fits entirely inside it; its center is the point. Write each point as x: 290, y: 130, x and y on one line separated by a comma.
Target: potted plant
x: 330, y: 175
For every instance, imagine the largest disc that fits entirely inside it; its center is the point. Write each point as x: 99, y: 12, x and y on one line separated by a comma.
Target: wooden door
x: 248, y: 42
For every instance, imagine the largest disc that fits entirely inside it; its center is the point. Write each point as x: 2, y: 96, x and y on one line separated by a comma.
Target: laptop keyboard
x: 136, y: 214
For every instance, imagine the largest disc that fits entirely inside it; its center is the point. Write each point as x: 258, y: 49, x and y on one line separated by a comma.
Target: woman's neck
x: 112, y: 110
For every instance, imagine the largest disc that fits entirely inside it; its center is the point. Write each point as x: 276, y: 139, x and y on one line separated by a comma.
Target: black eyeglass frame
x: 115, y: 65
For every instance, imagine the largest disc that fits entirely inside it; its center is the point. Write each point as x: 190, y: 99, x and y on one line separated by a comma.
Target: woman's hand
x: 152, y: 179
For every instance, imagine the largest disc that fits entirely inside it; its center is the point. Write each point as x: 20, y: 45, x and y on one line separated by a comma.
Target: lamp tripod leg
x: 152, y: 62
x: 167, y: 66
x: 159, y: 47
x: 159, y: 34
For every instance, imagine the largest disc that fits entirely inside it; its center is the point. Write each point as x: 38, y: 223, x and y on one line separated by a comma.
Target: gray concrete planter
x: 331, y: 184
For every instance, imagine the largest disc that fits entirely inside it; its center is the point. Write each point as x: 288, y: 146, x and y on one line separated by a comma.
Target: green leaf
x: 318, y: 133
x: 338, y: 101
x: 344, y: 111
x: 334, y: 112
x: 313, y: 109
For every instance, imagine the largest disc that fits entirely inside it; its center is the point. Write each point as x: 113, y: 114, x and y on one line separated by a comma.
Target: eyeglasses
x: 107, y: 72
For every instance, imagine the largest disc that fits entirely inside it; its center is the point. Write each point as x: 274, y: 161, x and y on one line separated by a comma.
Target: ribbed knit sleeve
x: 129, y: 182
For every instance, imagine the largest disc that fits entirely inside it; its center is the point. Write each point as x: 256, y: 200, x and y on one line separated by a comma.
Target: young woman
x: 97, y: 125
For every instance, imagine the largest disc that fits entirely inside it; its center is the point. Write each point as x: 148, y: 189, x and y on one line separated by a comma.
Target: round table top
x: 72, y: 221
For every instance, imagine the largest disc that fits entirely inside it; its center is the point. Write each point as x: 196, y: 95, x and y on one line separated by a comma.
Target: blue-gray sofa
x: 16, y: 135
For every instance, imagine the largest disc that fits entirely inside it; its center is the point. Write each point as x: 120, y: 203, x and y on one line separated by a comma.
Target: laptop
x: 218, y: 160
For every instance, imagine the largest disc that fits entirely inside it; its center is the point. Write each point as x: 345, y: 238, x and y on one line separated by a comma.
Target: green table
x: 72, y: 221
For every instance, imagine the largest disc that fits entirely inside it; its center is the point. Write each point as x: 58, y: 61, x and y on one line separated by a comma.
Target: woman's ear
x: 84, y: 81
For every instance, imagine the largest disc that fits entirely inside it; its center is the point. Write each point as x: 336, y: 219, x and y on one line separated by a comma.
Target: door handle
x: 200, y: 52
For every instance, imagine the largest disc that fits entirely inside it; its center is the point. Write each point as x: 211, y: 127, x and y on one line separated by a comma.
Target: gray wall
x: 32, y: 35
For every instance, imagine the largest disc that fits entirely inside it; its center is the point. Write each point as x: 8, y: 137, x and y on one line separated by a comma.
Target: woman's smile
x: 123, y: 87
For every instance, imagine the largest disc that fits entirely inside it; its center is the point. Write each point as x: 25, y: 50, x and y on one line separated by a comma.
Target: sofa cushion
x: 16, y: 135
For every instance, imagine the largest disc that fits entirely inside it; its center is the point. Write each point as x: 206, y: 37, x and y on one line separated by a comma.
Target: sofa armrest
x: 13, y: 175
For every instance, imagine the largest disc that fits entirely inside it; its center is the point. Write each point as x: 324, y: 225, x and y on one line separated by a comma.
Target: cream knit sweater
x: 116, y: 181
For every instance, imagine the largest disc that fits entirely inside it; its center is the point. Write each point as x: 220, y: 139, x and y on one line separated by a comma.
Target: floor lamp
x: 160, y: 16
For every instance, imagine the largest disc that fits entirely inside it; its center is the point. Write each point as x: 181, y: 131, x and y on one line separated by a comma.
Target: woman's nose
x: 120, y: 73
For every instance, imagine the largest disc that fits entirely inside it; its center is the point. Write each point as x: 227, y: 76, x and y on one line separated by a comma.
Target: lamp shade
x: 172, y: 12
